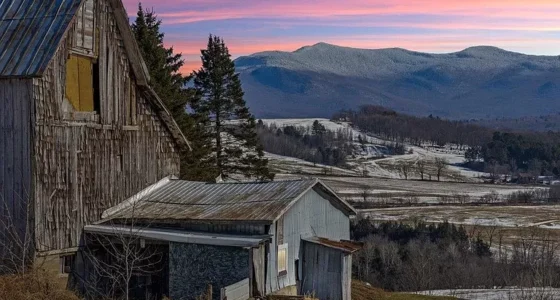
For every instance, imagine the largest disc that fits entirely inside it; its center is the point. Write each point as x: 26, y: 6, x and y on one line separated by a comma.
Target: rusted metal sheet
x: 185, y: 200
x: 343, y: 245
x: 30, y: 32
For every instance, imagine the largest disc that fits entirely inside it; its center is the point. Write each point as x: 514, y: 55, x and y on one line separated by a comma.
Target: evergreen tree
x: 220, y: 107
x: 170, y: 85
x: 318, y: 128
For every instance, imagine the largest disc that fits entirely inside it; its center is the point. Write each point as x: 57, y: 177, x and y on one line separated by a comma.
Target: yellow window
x: 79, y: 83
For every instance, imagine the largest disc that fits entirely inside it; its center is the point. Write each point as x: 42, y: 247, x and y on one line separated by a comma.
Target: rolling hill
x: 478, y: 82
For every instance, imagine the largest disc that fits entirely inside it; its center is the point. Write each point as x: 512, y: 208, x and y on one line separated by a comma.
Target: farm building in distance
x: 245, y: 239
x: 80, y: 128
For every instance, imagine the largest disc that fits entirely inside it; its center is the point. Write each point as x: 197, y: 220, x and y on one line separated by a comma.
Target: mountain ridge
x: 318, y: 80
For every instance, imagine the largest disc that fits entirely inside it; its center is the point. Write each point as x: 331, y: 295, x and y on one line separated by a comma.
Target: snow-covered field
x: 385, y: 180
x: 289, y: 167
x: 545, y: 217
x: 499, y: 294
x: 374, y: 159
x: 383, y: 189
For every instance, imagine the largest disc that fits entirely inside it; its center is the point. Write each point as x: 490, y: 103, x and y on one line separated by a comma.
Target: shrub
x: 36, y: 285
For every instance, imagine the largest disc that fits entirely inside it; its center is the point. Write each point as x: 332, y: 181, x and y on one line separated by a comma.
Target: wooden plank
x: 72, y: 85
x: 85, y: 69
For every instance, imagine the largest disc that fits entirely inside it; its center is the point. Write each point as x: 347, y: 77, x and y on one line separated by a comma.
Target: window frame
x: 63, y: 272
x: 284, y: 271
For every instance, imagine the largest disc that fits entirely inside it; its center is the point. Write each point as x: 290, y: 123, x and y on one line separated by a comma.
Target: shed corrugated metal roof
x: 179, y: 236
x: 185, y: 200
x: 30, y: 32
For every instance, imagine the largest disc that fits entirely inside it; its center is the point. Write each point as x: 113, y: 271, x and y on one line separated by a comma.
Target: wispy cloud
x: 424, y: 25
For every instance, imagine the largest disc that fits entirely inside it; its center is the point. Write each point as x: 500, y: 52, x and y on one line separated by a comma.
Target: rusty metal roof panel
x: 185, y: 200
x: 343, y: 245
x: 30, y: 32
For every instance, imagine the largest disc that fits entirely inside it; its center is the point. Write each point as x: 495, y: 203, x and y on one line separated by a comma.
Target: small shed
x: 245, y: 239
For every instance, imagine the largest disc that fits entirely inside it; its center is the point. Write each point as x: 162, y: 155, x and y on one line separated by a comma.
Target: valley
x: 373, y: 182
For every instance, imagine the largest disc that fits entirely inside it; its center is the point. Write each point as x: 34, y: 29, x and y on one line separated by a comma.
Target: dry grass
x: 362, y: 291
x: 33, y: 286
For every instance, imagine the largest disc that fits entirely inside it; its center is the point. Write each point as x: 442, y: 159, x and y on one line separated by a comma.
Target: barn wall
x: 15, y: 151
x: 88, y: 162
x: 192, y: 267
x: 312, y: 215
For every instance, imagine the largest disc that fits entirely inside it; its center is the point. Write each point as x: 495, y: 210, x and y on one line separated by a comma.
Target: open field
x: 501, y: 226
x: 373, y: 158
x: 545, y: 217
x: 386, y: 190
x: 363, y: 291
x: 499, y: 294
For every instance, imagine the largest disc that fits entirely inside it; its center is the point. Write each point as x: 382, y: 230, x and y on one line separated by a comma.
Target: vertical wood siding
x: 15, y: 149
x: 312, y: 215
x: 322, y: 272
x: 83, y: 38
x: 84, y: 167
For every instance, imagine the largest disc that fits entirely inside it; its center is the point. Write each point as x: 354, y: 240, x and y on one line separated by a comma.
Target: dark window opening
x: 96, y: 88
x: 297, y: 269
x: 67, y: 263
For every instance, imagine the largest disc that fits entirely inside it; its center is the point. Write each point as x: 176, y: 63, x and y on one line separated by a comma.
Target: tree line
x: 389, y: 124
x: 401, y: 257
x: 534, y: 153
x: 212, y: 114
x: 315, y: 144
x: 495, y: 152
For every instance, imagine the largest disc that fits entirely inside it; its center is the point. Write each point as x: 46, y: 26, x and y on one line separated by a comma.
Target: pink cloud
x: 334, y: 8
x: 455, y: 18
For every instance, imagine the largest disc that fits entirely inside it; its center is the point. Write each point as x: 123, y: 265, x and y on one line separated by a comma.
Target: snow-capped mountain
x: 478, y: 82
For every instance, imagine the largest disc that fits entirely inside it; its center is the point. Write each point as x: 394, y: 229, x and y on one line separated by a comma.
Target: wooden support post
x: 209, y: 292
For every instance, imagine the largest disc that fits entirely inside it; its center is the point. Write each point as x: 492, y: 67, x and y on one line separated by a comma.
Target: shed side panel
x: 15, y: 153
x: 311, y: 216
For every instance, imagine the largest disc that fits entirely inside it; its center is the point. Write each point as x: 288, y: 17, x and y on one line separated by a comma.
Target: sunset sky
x: 250, y: 26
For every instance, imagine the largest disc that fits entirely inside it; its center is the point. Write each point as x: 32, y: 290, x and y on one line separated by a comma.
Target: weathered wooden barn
x: 80, y: 128
x: 246, y: 239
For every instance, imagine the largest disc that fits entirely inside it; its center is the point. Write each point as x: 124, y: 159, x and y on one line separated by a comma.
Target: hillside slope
x: 478, y: 82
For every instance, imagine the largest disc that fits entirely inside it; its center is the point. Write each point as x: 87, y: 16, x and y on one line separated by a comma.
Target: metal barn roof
x: 30, y: 32
x: 179, y: 236
x: 184, y: 200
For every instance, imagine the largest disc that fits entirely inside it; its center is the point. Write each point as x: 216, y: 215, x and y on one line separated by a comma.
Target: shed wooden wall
x: 15, y: 150
x: 312, y: 215
x: 322, y: 272
x: 85, y: 165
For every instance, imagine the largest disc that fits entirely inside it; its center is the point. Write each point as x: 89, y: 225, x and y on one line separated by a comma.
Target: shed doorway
x: 322, y: 269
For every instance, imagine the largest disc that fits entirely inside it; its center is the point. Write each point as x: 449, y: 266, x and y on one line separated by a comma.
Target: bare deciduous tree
x: 405, y: 167
x: 16, y: 236
x: 114, y: 259
x: 421, y: 168
x: 441, y: 166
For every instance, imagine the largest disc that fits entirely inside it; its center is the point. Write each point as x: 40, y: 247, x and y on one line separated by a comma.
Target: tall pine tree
x: 167, y: 81
x: 220, y: 107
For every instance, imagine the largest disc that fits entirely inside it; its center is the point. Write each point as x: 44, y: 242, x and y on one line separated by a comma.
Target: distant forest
x: 489, y: 150
x: 401, y: 257
x: 315, y: 144
x: 527, y: 124
x: 390, y: 125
